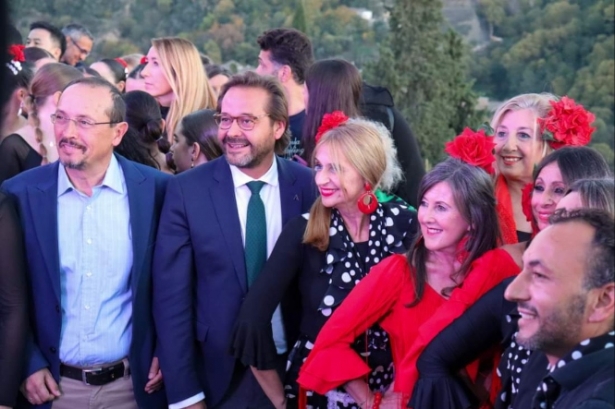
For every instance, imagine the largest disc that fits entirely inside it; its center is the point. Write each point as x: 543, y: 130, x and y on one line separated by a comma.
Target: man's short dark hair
x: 276, y: 108
x: 56, y: 33
x: 600, y: 266
x: 117, y: 113
x: 289, y: 47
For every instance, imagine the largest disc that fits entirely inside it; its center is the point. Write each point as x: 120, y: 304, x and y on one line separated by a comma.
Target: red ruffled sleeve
x: 486, y: 272
x: 332, y: 362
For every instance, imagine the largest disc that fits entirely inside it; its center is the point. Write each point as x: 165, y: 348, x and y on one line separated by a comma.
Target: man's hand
x: 40, y: 387
x: 155, y: 377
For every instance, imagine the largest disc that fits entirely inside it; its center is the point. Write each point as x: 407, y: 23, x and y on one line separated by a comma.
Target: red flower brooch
x: 330, y: 121
x: 568, y: 124
x: 474, y: 148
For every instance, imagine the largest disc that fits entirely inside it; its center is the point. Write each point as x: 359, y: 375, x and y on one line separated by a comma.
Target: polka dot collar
x: 388, y: 227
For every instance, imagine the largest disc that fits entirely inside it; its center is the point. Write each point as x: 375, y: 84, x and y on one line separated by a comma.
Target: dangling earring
x: 191, y: 163
x: 461, y: 252
x: 367, y: 202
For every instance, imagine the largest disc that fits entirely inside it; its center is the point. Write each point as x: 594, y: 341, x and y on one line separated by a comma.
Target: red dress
x: 381, y: 297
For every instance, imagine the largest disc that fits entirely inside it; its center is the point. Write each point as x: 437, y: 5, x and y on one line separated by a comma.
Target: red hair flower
x: 143, y: 60
x: 568, y: 124
x: 474, y: 148
x: 16, y: 50
x: 330, y: 121
x: 122, y: 62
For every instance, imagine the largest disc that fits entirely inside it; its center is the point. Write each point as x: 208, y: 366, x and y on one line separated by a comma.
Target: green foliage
x: 566, y: 47
x: 425, y: 69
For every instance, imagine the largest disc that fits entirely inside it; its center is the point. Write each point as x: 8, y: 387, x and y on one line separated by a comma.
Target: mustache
x: 72, y: 143
x: 229, y: 139
x: 526, y: 307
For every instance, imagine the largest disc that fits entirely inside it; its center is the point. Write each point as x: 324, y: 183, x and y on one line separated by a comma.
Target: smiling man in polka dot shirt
x: 566, y: 296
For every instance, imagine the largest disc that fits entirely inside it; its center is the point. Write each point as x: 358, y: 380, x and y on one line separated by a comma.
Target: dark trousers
x: 245, y: 391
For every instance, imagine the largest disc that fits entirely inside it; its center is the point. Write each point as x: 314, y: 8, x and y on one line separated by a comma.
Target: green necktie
x: 256, y: 233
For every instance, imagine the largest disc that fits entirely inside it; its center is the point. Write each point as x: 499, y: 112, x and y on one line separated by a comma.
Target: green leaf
x: 547, y: 136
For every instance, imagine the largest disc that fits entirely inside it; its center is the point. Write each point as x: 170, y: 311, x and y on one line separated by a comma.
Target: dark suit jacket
x: 200, y: 274
x: 36, y: 193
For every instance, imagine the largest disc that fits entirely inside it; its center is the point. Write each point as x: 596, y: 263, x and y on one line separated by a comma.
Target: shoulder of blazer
x: 42, y: 176
x: 295, y: 170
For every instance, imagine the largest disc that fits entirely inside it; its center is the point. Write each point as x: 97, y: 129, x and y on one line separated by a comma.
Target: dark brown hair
x: 475, y: 198
x: 277, y: 106
x: 200, y: 127
x: 288, y: 47
x: 333, y: 85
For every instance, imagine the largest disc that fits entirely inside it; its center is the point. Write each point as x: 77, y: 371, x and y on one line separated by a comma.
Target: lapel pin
x: 296, y: 198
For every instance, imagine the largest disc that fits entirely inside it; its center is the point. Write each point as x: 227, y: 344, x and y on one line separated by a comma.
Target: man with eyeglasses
x: 79, y: 43
x: 219, y: 224
x: 90, y: 221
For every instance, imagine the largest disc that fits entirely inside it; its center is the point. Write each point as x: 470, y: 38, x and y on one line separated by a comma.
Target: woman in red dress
x: 412, y: 297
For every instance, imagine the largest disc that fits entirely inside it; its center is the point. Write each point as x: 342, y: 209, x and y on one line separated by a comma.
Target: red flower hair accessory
x: 526, y: 205
x: 330, y: 121
x: 474, y: 148
x: 143, y: 60
x: 122, y: 62
x: 568, y: 124
x: 16, y: 50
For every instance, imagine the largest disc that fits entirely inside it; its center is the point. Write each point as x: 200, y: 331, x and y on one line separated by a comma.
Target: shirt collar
x: 113, y: 178
x: 270, y: 177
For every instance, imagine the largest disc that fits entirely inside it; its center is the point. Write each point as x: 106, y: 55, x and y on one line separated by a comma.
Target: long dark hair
x: 576, y: 162
x: 475, y: 198
x: 144, y: 117
x: 201, y: 128
x: 333, y: 85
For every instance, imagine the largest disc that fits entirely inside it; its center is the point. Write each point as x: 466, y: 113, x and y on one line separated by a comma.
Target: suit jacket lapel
x: 141, y: 202
x: 225, y: 206
x: 290, y: 193
x: 43, y: 199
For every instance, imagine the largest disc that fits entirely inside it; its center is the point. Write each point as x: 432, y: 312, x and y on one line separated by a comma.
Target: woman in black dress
x: 492, y: 321
x: 320, y: 257
x: 13, y: 303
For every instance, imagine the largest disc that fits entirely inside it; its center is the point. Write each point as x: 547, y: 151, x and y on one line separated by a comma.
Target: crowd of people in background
x: 179, y: 236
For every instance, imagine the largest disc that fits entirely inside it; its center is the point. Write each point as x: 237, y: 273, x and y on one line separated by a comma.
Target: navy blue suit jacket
x: 36, y: 192
x: 200, y: 274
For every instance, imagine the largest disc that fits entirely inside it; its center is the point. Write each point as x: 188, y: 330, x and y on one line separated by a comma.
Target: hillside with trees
x: 436, y: 56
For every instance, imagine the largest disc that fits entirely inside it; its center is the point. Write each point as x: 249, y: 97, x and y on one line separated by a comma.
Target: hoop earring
x: 367, y: 203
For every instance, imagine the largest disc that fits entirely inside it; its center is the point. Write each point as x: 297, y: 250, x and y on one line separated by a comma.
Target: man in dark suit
x: 219, y: 223
x: 90, y: 222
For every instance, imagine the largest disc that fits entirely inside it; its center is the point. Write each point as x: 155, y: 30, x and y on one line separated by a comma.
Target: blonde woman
x: 34, y: 144
x: 174, y: 75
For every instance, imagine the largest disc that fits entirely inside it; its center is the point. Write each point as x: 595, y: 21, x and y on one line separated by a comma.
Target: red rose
x: 143, y: 60
x: 16, y: 50
x: 474, y: 148
x: 330, y: 121
x: 568, y: 124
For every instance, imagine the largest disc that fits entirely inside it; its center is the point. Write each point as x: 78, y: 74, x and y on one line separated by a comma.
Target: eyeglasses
x: 83, y: 124
x: 245, y: 122
x: 83, y: 51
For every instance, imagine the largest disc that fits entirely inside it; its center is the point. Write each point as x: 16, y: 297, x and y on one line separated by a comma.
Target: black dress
x: 13, y: 303
x: 491, y: 321
x: 16, y: 156
x: 318, y: 281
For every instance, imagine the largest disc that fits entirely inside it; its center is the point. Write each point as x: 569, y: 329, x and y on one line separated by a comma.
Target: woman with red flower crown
x: 485, y: 325
x: 414, y: 296
x: 18, y: 75
x: 321, y: 256
x: 528, y: 127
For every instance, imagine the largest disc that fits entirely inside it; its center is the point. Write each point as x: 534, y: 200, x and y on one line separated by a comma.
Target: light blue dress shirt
x: 95, y: 245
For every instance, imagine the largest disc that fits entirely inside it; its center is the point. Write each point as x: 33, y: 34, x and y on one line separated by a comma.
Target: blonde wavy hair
x: 539, y: 104
x: 369, y: 149
x: 181, y: 64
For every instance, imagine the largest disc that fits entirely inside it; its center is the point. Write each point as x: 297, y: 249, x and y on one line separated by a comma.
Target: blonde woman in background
x: 519, y: 147
x: 174, y: 75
